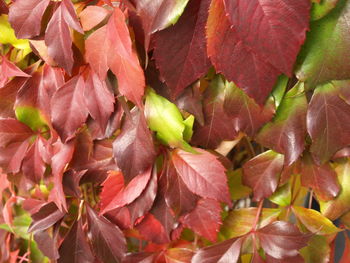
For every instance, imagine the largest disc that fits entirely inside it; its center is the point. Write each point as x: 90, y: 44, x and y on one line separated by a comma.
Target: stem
x: 81, y: 205
x: 255, y: 224
x: 310, y: 198
x: 250, y: 147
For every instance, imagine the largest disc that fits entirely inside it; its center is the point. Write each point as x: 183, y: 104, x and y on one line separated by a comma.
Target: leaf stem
x: 255, y: 224
x: 310, y: 198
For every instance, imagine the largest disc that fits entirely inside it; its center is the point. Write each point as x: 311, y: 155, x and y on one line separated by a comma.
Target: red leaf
x: 92, y: 15
x: 224, y: 252
x: 205, y: 219
x: 111, y: 187
x: 141, y: 257
x: 12, y: 156
x: 346, y: 253
x: 151, y: 229
x: 107, y: 240
x: 296, y: 259
x: 322, y: 179
x: 53, y: 79
x: 75, y: 248
x: 282, y: 239
x: 262, y: 174
x: 47, y: 216
x: 46, y: 244
x: 68, y: 109
x: 275, y: 30
x: 3, y: 8
x: 129, y: 193
x: 99, y: 100
x: 183, y: 60
x: 225, y: 49
x: 9, y: 70
x: 11, y: 130
x: 25, y: 17
x: 202, y: 173
x: 33, y: 166
x: 328, y: 122
x: 133, y: 148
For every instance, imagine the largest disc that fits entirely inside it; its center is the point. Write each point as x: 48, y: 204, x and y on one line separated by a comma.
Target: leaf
x: 68, y: 109
x: 327, y: 122
x: 333, y: 209
x: 225, y: 48
x: 322, y: 8
x: 12, y: 130
x: 273, y: 30
x: 99, y: 99
x: 142, y: 257
x: 323, y: 57
x: 25, y: 17
x: 262, y: 174
x: 165, y: 118
x: 91, y: 16
x: 130, y: 192
x: 75, y: 247
x: 152, y: 230
x: 224, y: 252
x: 237, y: 189
x: 47, y: 216
x: 240, y: 221
x: 9, y: 70
x: 46, y: 244
x: 346, y: 251
x: 218, y: 125
x: 133, y: 148
x: 12, y: 156
x: 286, y: 133
x: 322, y: 179
x: 317, y: 250
x: 181, y: 61
x: 57, y: 35
x: 178, y: 255
x: 33, y: 166
x: 283, y: 195
x: 3, y: 8
x: 111, y: 187
x: 315, y: 221
x: 107, y: 240
x: 7, y: 36
x: 282, y: 239
x: 205, y: 219
x: 202, y: 173
x: 158, y: 15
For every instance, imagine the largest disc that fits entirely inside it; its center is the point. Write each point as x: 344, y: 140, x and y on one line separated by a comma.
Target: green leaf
x: 237, y: 189
x: 164, y: 118
x: 31, y: 116
x: 279, y: 89
x: 322, y: 8
x: 315, y: 221
x: 188, y: 132
x: 335, y: 208
x: 7, y: 35
x: 240, y: 221
x: 325, y: 54
x: 283, y: 195
x: 20, y: 226
x: 317, y: 251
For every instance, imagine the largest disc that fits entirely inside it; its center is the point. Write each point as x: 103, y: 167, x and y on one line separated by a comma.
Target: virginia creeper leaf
x: 46, y: 244
x: 318, y: 250
x: 202, y: 173
x: 12, y: 130
x: 262, y: 174
x: 8, y: 70
x: 183, y: 60
x: 12, y: 156
x: 111, y: 187
x: 286, y: 133
x: 91, y: 16
x: 33, y: 165
x: 322, y: 8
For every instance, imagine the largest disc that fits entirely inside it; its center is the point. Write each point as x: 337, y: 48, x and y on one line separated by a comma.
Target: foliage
x: 174, y: 130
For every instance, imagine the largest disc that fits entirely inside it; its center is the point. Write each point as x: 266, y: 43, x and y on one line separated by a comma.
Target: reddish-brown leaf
x: 68, y: 109
x: 262, y: 174
x: 202, y: 173
x: 33, y: 166
x: 25, y: 17
x: 153, y: 230
x: 11, y: 130
x: 12, y: 156
x: 3, y: 8
x: 46, y: 244
x: 111, y: 187
x: 183, y: 60
x: 205, y: 219
x: 133, y: 148
x: 107, y: 240
x: 8, y: 70
x: 282, y: 239
x: 91, y: 16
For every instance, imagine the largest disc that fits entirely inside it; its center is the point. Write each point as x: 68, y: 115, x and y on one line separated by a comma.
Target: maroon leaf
x: 11, y: 130
x: 25, y: 17
x: 205, y: 219
x: 296, y: 259
x: 202, y: 173
x: 99, y: 100
x: 3, y: 7
x: 328, y: 122
x: 224, y: 252
x: 8, y: 70
x: 321, y: 178
x: 47, y: 216
x: 53, y: 78
x: 46, y: 244
x: 153, y: 230
x: 133, y: 148
x: 12, y: 156
x: 142, y: 257
x: 75, y: 247
x: 183, y: 60
x: 262, y: 174
x: 225, y: 49
x: 33, y: 166
x: 282, y: 239
x: 107, y: 240
x: 273, y: 29
x: 68, y: 109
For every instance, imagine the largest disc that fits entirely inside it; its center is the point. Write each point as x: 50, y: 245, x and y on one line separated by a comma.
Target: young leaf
x: 262, y: 174
x: 286, y: 133
x: 328, y: 122
x: 282, y: 239
x: 273, y: 30
x: 202, y: 173
x: 224, y: 252
x: 75, y: 248
x: 225, y: 49
x: 25, y: 17
x: 133, y: 148
x: 68, y: 109
x: 107, y: 240
x: 183, y: 60
x: 205, y: 219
